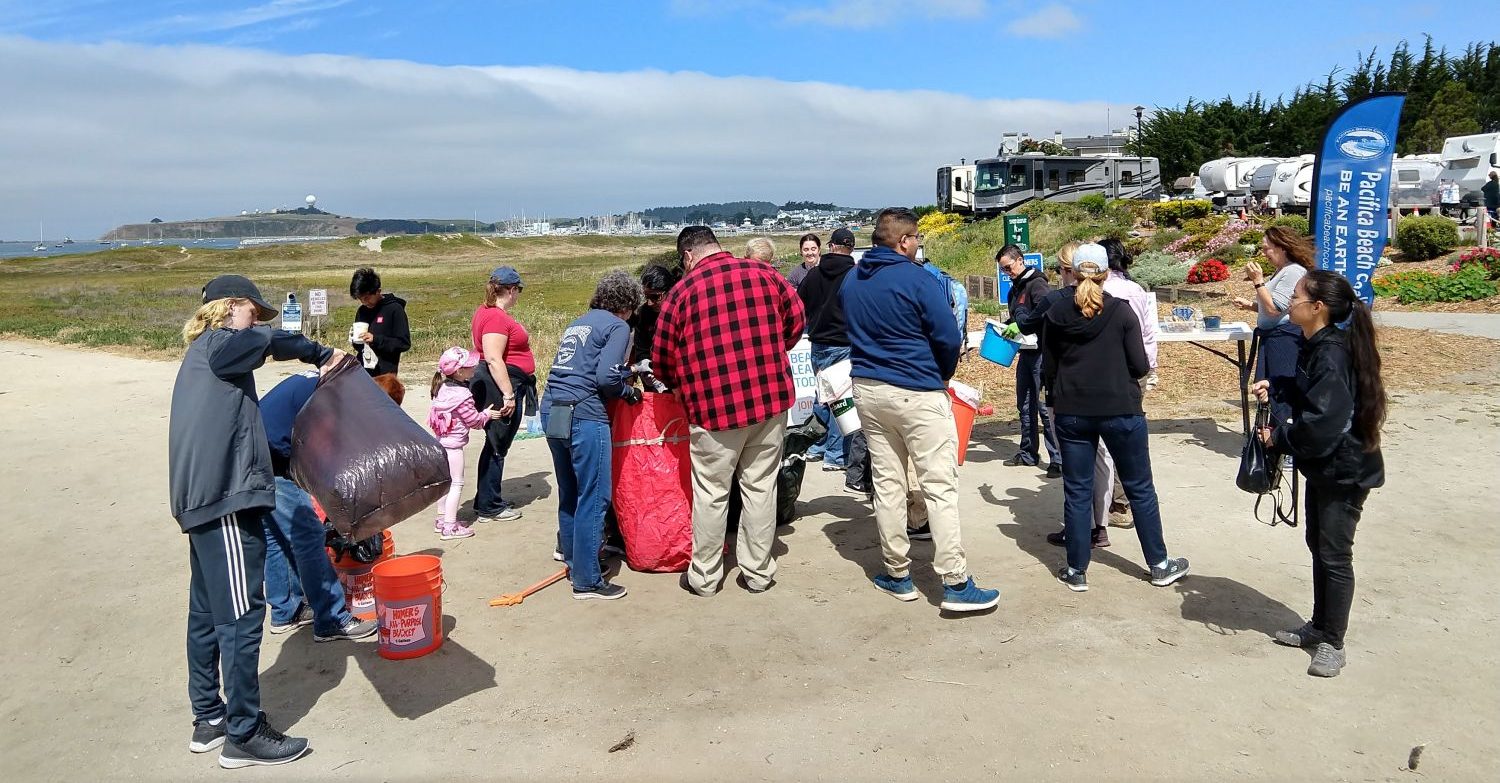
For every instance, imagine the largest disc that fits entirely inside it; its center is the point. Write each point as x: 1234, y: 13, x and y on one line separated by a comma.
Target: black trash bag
x: 367, y: 550
x: 789, y: 476
x: 368, y: 463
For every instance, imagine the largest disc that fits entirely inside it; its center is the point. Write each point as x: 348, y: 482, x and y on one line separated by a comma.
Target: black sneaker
x: 923, y: 533
x: 1019, y: 461
x: 1054, y: 470
x: 604, y: 592
x: 1057, y: 538
x: 266, y: 747
x: 304, y: 616
x: 206, y: 736
x: 1175, y: 569
x: 1075, y: 580
x: 354, y: 629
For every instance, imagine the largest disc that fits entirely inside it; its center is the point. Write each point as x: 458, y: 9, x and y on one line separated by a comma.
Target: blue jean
x: 297, y: 563
x: 1126, y: 439
x: 835, y: 445
x: 581, y: 465
x: 1029, y: 405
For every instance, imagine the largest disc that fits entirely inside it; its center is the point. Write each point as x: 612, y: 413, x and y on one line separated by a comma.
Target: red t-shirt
x: 493, y: 320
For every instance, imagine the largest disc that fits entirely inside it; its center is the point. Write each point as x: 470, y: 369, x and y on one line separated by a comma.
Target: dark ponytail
x: 1348, y: 312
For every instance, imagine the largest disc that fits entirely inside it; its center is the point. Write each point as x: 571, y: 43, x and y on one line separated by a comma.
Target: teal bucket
x: 995, y: 347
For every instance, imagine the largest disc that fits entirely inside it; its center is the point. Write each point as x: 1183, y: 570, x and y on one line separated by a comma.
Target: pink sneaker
x: 437, y: 525
x: 451, y: 532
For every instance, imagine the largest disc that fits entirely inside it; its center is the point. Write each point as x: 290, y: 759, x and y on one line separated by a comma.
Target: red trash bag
x: 366, y: 462
x: 653, y: 493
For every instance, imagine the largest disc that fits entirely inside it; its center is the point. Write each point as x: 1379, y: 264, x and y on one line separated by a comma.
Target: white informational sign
x: 317, y: 302
x: 291, y: 314
x: 804, y: 380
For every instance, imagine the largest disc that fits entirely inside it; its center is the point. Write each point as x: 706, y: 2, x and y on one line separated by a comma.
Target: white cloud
x: 863, y: 14
x: 113, y: 133
x: 1052, y: 21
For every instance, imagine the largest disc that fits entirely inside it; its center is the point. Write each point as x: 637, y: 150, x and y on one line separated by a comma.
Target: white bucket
x: 836, y: 390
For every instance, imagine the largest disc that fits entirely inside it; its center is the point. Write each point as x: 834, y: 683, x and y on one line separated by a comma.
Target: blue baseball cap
x: 506, y: 275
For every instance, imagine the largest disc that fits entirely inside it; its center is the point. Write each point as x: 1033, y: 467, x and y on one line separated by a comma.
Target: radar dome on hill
x: 312, y: 200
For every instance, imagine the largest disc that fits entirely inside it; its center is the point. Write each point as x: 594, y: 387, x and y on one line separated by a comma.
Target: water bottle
x: 291, y: 315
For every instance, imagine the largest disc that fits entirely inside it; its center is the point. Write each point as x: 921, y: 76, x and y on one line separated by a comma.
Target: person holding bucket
x: 301, y: 585
x: 829, y: 335
x: 589, y: 369
x: 221, y: 487
x: 1028, y: 287
x: 1098, y: 358
x: 904, y: 346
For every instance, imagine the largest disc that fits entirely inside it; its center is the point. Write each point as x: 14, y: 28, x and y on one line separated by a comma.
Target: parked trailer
x: 1414, y: 182
x: 1230, y: 175
x: 955, y: 188
x: 1467, y: 161
x: 1004, y: 183
x: 1291, y: 189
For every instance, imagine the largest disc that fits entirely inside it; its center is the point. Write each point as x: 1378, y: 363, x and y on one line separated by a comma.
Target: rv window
x: 1127, y: 178
x: 958, y: 184
x: 1075, y: 176
x: 1495, y: 160
x: 1409, y: 175
x: 1463, y: 163
x: 1054, y: 179
x: 1018, y: 176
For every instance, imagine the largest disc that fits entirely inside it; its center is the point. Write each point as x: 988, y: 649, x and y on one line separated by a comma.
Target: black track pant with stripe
x: 226, y: 609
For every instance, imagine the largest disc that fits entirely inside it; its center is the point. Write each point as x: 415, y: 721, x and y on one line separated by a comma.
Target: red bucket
x: 409, y: 605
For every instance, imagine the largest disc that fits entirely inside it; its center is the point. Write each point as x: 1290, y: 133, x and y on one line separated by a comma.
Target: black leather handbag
x: 1260, y: 469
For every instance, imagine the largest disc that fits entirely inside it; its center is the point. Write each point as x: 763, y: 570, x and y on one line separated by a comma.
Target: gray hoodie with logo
x: 218, y: 459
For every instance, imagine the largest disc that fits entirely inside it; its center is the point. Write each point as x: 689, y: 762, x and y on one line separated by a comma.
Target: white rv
x: 1231, y: 175
x: 1414, y: 181
x: 1004, y: 183
x: 1467, y: 161
x: 1291, y: 187
x: 955, y: 188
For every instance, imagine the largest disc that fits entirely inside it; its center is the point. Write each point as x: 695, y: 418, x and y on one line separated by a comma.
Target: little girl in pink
x: 452, y: 416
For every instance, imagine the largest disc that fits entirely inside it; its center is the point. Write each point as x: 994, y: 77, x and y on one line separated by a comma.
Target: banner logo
x: 1363, y: 143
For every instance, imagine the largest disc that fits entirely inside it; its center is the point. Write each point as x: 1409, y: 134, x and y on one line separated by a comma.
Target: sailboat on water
x: 41, y: 243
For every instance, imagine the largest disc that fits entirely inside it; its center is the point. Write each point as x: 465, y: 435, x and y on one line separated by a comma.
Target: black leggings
x: 1332, y: 513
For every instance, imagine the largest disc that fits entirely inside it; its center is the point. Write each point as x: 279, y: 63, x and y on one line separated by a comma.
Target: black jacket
x: 1491, y: 191
x: 1321, y: 436
x: 388, y: 323
x: 218, y: 459
x: 1094, y: 363
x: 820, y: 298
x: 1025, y: 293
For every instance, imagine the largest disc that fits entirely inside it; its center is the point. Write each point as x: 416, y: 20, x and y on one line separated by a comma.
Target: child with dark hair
x: 387, y: 333
x: 1338, y: 407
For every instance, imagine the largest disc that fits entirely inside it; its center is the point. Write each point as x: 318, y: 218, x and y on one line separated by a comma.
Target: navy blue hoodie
x: 901, y: 331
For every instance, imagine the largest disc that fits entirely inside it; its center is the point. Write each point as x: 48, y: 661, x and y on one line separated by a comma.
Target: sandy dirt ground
x: 820, y: 678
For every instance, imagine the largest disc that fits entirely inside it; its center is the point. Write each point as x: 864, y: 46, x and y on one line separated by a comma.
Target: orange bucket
x: 963, y: 419
x: 359, y: 585
x: 409, y: 605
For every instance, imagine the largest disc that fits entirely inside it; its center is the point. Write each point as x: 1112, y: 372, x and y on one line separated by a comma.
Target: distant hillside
x: 730, y: 212
x: 285, y: 224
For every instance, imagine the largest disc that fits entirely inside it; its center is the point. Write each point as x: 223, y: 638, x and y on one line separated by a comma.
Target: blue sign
x: 1351, y: 188
x: 1033, y: 260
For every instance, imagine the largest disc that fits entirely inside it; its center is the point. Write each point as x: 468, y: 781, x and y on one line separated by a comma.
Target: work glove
x: 632, y: 395
x: 1012, y: 331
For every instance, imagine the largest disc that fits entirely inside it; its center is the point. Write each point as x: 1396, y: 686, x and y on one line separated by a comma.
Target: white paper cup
x: 357, y: 333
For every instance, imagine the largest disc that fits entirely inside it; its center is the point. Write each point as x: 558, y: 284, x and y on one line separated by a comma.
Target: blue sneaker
x: 902, y: 589
x: 968, y: 597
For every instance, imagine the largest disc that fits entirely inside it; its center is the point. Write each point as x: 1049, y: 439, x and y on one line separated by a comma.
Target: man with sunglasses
x: 1028, y: 287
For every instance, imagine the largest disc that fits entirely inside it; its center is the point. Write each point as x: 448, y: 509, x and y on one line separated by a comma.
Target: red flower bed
x: 1211, y: 271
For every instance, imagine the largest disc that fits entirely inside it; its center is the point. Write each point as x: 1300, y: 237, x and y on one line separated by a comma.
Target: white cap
x: 1093, y: 255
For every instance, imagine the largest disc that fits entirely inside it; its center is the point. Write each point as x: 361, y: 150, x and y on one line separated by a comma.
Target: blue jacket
x: 901, y: 330
x: 278, y: 412
x: 590, y: 365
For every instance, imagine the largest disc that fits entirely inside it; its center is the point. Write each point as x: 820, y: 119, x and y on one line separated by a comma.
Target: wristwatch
x: 1259, y: 286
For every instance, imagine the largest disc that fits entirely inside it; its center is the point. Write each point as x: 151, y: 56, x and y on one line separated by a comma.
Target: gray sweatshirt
x: 218, y: 460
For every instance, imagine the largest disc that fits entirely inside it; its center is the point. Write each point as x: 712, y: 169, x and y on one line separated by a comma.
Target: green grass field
x: 136, y: 299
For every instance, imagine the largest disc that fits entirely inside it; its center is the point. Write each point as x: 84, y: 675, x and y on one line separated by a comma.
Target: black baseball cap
x: 238, y: 287
x: 842, y: 237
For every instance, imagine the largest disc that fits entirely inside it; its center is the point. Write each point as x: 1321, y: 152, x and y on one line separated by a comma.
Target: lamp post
x: 1140, y: 164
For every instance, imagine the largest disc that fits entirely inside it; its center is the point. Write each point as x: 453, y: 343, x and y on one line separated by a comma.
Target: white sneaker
x: 509, y: 514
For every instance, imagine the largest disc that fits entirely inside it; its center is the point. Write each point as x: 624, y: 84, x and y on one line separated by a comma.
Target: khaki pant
x: 903, y: 425
x: 754, y: 454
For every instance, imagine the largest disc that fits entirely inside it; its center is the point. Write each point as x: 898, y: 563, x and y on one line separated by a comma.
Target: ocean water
x: 24, y: 249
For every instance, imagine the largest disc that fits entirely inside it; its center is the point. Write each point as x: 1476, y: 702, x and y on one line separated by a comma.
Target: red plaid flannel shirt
x: 722, y: 340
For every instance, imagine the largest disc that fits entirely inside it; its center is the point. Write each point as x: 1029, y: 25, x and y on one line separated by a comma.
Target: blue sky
x: 589, y: 107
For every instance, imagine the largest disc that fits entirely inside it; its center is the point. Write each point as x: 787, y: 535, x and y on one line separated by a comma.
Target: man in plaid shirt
x: 721, y: 344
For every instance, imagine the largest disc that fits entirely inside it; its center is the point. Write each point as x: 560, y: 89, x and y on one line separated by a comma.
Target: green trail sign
x: 1018, y: 231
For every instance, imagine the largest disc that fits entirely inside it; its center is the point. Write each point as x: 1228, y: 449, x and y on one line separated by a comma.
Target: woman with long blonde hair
x: 1096, y: 358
